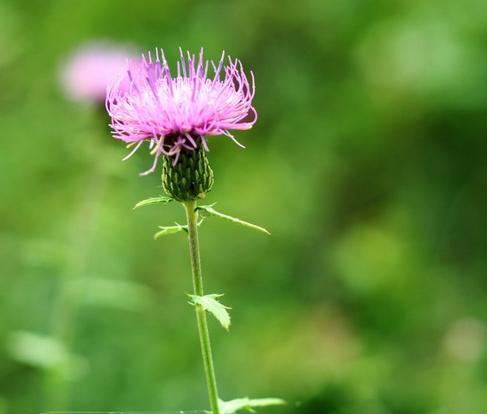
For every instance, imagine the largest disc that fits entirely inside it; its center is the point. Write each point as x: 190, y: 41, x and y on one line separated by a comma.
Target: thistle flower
x: 176, y: 114
x: 90, y: 69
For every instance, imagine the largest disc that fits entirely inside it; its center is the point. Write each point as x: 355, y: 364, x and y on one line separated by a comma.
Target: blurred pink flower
x: 176, y: 113
x: 90, y: 69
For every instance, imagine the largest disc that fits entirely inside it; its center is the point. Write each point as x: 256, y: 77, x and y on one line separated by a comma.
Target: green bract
x: 190, y: 178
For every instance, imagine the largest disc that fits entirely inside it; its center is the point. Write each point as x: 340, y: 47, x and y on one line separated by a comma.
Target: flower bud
x: 190, y: 178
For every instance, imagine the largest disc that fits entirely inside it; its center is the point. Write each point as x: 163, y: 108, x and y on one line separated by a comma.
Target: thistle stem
x: 192, y: 219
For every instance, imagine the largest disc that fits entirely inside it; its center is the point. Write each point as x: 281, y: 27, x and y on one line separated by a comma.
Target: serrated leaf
x: 153, y: 200
x: 232, y: 406
x: 212, y: 212
x: 211, y: 304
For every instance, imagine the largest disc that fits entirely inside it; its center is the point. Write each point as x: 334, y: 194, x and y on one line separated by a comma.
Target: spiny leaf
x: 230, y: 407
x: 167, y: 230
x: 211, y: 304
x: 153, y: 200
x: 212, y: 212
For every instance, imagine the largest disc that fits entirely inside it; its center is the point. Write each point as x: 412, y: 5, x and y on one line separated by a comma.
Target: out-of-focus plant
x: 84, y: 77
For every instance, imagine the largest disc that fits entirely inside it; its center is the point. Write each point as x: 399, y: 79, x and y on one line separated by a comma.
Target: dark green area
x: 367, y: 164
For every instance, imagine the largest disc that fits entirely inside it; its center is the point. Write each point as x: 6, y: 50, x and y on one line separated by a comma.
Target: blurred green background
x: 368, y: 164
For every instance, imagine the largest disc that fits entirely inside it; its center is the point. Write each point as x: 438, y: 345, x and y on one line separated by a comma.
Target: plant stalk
x: 192, y: 220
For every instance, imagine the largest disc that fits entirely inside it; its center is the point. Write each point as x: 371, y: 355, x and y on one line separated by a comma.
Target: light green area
x: 211, y: 304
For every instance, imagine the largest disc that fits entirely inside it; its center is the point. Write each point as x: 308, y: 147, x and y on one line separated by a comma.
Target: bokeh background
x: 368, y: 164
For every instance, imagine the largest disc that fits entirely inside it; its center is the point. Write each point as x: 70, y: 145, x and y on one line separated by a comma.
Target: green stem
x: 192, y: 219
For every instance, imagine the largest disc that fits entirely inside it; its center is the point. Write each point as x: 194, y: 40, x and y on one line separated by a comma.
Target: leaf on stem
x: 167, y: 230
x: 232, y: 406
x: 153, y: 200
x: 212, y: 212
x: 211, y: 304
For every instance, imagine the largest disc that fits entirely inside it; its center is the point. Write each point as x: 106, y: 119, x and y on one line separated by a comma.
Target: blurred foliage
x: 367, y: 165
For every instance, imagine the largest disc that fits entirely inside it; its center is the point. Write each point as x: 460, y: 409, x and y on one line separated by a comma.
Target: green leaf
x: 212, y: 212
x: 153, y: 200
x: 230, y: 407
x: 167, y: 230
x: 211, y: 304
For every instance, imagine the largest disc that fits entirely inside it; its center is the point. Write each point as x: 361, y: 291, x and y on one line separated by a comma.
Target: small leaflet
x: 211, y: 304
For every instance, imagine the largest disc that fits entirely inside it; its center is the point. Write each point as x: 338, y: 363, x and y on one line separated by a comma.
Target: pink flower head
x: 88, y: 72
x: 176, y: 113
